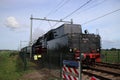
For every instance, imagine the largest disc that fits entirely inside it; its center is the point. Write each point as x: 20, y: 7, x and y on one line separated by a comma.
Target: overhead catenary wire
x: 55, y: 8
x: 101, y: 16
x: 60, y: 5
x: 74, y: 11
x: 50, y: 24
x: 91, y: 7
x: 77, y: 9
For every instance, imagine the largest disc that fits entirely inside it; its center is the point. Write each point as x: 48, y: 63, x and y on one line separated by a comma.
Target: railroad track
x: 97, y: 76
x: 101, y: 74
x: 115, y: 66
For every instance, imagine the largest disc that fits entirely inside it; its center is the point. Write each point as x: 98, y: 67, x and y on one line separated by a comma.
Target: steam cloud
x: 37, y: 33
x: 11, y: 22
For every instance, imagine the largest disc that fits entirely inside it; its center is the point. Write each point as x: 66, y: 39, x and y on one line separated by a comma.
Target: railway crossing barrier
x: 71, y: 70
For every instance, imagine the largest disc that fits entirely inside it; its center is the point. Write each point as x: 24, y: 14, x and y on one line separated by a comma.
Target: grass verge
x: 11, y: 66
x: 111, y: 56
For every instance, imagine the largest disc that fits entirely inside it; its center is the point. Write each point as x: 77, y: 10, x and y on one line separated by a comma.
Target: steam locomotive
x: 68, y: 42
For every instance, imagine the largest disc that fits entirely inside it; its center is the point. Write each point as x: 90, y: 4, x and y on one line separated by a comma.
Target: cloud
x: 110, y: 44
x: 11, y: 22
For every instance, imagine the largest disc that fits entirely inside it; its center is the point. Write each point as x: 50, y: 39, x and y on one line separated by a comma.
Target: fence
x: 23, y: 56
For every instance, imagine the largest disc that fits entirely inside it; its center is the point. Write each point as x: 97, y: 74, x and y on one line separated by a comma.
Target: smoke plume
x: 37, y: 33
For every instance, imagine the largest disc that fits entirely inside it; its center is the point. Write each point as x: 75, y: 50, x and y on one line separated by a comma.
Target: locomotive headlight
x: 39, y: 56
x: 97, y: 49
x: 70, y: 50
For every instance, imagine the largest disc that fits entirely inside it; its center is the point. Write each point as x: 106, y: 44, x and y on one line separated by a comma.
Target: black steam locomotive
x: 67, y: 42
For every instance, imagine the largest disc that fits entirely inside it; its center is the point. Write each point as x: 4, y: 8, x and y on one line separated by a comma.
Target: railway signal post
x: 71, y: 70
x: 80, y: 67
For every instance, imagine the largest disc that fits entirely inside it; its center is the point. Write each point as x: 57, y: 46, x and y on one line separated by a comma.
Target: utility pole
x: 31, y: 36
x: 31, y: 23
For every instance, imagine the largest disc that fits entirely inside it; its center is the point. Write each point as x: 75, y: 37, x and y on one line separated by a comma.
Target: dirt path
x: 38, y: 73
x: 33, y: 76
x: 41, y: 74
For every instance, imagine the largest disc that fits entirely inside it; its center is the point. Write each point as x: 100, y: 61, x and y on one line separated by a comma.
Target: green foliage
x: 111, y: 56
x: 11, y: 66
x: 13, y: 53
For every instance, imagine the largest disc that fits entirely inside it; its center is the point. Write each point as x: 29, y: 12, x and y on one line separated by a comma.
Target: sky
x: 15, y: 19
